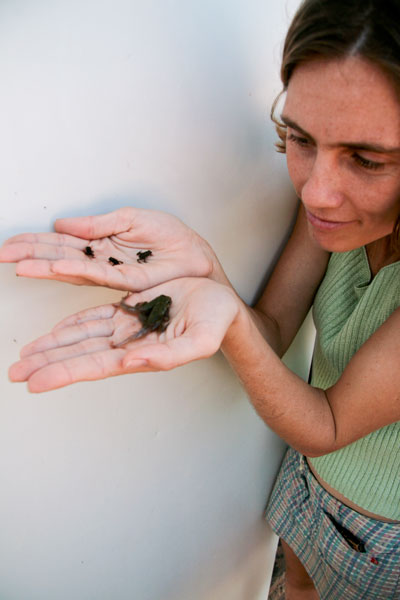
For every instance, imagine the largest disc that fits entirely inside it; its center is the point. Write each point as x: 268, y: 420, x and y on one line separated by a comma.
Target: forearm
x: 296, y: 411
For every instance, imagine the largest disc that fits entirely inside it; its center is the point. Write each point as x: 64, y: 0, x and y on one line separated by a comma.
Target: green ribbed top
x: 348, y: 308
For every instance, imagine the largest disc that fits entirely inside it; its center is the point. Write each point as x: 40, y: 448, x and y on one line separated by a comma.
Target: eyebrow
x: 354, y: 145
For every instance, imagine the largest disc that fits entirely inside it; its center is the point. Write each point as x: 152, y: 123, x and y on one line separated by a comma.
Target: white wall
x: 143, y: 487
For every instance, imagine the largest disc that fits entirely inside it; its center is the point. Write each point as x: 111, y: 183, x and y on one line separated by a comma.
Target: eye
x: 365, y: 163
x: 299, y: 140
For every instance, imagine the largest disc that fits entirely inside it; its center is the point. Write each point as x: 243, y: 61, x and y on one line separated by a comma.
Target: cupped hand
x: 103, y: 250
x: 84, y: 346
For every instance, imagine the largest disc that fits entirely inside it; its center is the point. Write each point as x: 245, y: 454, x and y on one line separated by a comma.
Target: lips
x: 324, y: 224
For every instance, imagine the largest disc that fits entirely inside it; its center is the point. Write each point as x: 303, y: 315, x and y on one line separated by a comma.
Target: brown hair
x: 338, y: 29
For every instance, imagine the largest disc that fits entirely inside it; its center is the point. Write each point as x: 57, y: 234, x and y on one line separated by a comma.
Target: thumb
x: 173, y: 353
x: 97, y: 226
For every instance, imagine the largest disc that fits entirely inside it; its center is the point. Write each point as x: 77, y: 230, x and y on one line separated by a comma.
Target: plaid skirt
x: 348, y: 556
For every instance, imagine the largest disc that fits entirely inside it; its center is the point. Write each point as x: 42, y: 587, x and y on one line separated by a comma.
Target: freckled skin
x: 153, y: 315
x: 331, y: 168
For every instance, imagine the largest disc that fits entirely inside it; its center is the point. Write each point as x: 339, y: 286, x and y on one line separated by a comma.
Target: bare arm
x: 207, y: 315
x: 316, y: 422
x: 290, y: 291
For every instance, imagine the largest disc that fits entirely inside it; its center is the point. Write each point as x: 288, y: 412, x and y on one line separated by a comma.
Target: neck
x: 381, y: 253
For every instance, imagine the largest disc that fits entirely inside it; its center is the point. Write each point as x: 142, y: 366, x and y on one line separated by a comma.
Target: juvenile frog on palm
x: 153, y: 315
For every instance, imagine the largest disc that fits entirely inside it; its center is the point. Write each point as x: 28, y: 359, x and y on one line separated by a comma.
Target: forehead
x: 349, y: 99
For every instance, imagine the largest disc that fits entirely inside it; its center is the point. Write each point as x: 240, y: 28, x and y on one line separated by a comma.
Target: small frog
x: 153, y: 315
x: 114, y: 261
x: 143, y: 255
x: 88, y: 251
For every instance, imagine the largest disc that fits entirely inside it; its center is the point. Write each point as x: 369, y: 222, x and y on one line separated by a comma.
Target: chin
x: 331, y: 242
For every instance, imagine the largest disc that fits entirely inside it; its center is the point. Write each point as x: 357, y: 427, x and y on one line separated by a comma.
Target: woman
x: 336, y: 503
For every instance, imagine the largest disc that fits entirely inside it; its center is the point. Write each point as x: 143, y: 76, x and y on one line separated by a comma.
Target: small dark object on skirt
x: 352, y: 540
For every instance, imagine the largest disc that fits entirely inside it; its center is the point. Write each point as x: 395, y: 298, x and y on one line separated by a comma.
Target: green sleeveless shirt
x: 348, y: 308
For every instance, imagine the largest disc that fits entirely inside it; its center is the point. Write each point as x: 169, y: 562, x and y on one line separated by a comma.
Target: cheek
x: 393, y: 212
x: 297, y: 169
x: 383, y: 202
x: 381, y: 215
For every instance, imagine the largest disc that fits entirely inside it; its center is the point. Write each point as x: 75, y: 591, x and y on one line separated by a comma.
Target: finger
x: 68, y: 336
x: 19, y: 251
x: 54, y: 239
x: 88, y: 367
x: 167, y: 355
x: 98, y: 273
x: 126, y: 277
x: 42, y: 269
x: 98, y: 226
x: 131, y: 277
x: 28, y: 364
x: 106, y: 311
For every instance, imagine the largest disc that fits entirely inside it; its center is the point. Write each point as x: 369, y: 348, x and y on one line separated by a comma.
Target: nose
x: 323, y: 185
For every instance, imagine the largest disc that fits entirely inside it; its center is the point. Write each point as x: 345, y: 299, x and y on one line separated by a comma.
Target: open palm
x: 84, y: 347
x: 176, y: 251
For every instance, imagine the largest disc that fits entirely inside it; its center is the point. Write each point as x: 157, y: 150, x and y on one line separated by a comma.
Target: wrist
x: 214, y: 270
x: 241, y: 328
x: 216, y: 273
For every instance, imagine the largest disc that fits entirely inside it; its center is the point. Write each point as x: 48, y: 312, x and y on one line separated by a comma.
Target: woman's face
x: 343, y: 150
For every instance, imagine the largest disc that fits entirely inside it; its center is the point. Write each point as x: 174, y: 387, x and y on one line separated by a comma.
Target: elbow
x: 315, y: 453
x: 327, y: 440
x: 322, y: 448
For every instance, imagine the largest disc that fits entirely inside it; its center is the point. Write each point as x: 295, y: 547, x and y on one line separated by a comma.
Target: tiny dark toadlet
x: 115, y: 261
x: 153, y: 315
x: 89, y: 252
x: 143, y: 255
